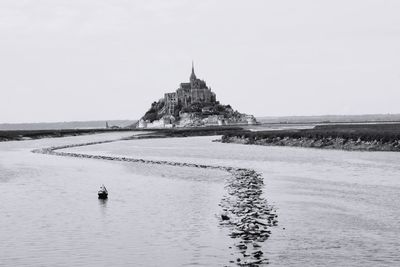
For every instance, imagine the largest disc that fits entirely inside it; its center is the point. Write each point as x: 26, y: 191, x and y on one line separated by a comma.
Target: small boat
x: 103, y: 193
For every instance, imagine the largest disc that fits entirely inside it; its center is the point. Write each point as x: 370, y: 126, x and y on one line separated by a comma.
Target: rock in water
x: 224, y: 217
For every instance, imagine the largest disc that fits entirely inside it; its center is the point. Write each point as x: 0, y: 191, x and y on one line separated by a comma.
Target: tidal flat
x: 335, y: 208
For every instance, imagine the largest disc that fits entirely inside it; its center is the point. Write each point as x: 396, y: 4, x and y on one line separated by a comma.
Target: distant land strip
x: 23, y: 135
x: 357, y: 137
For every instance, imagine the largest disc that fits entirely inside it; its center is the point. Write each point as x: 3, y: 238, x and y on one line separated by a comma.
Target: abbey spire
x: 192, y: 76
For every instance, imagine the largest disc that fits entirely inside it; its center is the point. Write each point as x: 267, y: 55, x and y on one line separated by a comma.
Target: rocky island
x: 193, y: 104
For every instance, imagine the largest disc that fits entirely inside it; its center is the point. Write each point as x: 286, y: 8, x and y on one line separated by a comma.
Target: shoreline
x: 354, y: 137
x: 322, y: 143
x: 23, y: 135
x: 350, y: 137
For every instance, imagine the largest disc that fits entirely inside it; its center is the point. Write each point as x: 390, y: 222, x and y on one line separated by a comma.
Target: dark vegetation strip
x: 18, y: 135
x: 376, y: 137
x: 368, y: 132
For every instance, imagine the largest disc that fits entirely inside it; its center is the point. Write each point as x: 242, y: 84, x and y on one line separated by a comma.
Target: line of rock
x: 248, y: 214
x: 323, y: 142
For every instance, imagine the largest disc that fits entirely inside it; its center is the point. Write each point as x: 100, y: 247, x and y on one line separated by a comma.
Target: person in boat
x: 103, y: 194
x: 103, y: 188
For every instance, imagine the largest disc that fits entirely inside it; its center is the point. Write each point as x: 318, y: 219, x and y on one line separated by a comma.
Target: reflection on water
x: 335, y: 208
x: 103, y: 202
x: 103, y: 206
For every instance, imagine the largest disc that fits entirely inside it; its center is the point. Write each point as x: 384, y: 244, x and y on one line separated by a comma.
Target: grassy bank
x: 377, y: 137
x: 368, y: 132
x: 37, y: 134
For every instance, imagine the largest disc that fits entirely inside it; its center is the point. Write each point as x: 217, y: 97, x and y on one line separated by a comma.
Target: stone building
x: 194, y: 91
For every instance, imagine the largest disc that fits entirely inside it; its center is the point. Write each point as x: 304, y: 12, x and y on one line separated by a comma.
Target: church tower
x: 192, y: 76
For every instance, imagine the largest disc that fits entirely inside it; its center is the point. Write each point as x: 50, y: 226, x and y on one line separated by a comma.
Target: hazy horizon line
x: 265, y: 116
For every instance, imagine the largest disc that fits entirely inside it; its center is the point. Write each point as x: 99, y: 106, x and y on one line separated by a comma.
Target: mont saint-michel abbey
x: 192, y: 104
x: 195, y: 91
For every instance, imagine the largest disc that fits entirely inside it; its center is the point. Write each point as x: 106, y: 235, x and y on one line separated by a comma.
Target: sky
x: 96, y: 59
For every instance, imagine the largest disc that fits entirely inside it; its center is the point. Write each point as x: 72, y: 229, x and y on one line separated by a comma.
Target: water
x: 335, y: 208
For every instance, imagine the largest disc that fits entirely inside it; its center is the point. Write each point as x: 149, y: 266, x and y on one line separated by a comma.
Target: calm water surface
x: 335, y: 208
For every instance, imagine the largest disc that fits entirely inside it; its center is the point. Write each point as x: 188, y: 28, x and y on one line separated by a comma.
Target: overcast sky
x: 96, y: 59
